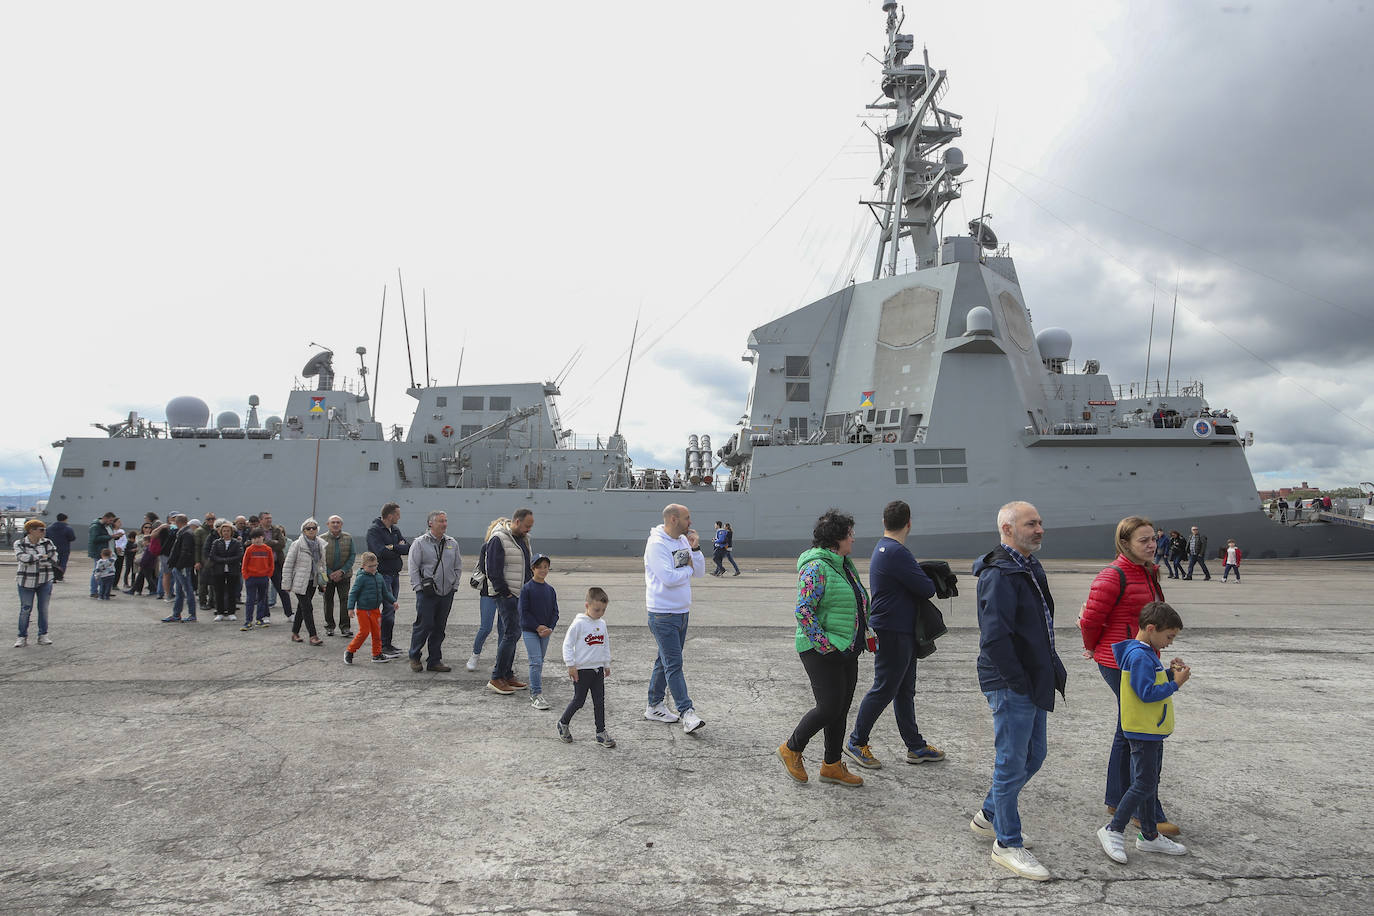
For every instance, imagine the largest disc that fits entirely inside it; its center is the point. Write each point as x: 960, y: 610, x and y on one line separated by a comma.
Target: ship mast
x: 916, y: 183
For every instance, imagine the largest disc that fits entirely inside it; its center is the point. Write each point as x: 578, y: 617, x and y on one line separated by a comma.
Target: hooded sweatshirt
x: 587, y: 644
x: 669, y: 565
x: 1147, y: 710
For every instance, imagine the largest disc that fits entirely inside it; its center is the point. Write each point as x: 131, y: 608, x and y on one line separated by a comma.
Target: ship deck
x: 169, y: 768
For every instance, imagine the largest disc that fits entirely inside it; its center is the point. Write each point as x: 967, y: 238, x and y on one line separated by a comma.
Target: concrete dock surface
x: 164, y: 768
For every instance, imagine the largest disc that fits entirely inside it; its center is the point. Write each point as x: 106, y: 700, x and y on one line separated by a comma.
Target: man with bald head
x: 672, y: 556
x: 1018, y: 672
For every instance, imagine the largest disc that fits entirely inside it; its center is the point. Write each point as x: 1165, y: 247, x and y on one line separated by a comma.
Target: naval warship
x: 926, y: 383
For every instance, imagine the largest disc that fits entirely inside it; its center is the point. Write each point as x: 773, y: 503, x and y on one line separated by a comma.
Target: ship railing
x: 1178, y: 388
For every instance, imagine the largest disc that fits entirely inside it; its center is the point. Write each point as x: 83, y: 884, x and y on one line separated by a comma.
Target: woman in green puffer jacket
x: 832, y: 619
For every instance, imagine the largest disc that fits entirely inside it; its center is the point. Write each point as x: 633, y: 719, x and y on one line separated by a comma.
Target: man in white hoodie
x: 672, y: 557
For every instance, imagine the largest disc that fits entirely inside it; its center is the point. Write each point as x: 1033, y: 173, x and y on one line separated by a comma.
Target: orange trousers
x: 369, y: 624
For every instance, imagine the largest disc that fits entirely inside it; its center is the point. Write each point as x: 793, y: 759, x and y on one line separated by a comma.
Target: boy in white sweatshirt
x: 587, y: 653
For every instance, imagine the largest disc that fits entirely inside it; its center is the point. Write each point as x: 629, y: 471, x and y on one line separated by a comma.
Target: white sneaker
x: 1162, y: 844
x: 44, y: 640
x: 538, y: 702
x: 23, y: 641
x: 982, y: 827
x: 659, y: 713
x: 1113, y: 844
x: 691, y: 721
x: 1020, y: 861
x: 473, y: 661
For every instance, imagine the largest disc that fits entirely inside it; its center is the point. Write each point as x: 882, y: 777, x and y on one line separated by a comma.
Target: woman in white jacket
x: 299, y: 574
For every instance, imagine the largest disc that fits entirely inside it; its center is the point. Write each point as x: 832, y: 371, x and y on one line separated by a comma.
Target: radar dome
x: 227, y: 420
x: 187, y: 411
x: 273, y: 422
x: 1054, y: 343
x: 979, y: 321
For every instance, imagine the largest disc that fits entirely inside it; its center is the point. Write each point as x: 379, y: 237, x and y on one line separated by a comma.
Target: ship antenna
x: 406, y: 322
x: 1169, y: 366
x: 377, y: 360
x: 1150, y: 342
x: 987, y: 177
x: 461, y: 350
x: 424, y: 305
x: 623, y: 388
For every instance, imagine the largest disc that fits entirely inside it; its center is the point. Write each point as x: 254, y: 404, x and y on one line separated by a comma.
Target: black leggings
x: 226, y: 590
x: 833, y: 677
x: 593, y: 681
x: 304, y: 612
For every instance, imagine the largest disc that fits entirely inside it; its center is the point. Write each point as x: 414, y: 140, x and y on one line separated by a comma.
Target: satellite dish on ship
x: 982, y: 232
x: 322, y: 365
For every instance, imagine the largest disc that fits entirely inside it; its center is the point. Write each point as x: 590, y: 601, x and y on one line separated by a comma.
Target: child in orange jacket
x: 259, y: 562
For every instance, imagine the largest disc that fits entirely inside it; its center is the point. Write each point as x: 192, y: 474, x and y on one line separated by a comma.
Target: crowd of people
x: 1125, y: 624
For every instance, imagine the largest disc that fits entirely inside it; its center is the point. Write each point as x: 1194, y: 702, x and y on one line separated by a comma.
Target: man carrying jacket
x: 384, y: 539
x: 898, y: 586
x: 508, y: 569
x: 1018, y: 672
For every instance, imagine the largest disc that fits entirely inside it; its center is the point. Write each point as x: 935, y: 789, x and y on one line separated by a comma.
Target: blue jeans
x: 1018, y: 730
x: 1227, y: 569
x: 1119, y: 763
x: 1177, y: 564
x: 535, y: 647
x: 28, y: 597
x: 161, y: 574
x: 95, y: 586
x: 107, y: 583
x: 1198, y: 560
x: 487, y: 605
x: 431, y: 618
x: 670, y: 632
x: 256, y: 608
x: 182, y: 589
x: 508, y: 629
x: 388, y: 612
x: 1141, y: 798
x: 894, y: 683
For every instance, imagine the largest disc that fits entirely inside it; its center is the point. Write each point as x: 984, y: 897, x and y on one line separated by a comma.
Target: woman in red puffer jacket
x: 1110, y: 615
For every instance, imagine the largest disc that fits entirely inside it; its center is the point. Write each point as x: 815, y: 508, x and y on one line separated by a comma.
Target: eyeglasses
x: 311, y: 528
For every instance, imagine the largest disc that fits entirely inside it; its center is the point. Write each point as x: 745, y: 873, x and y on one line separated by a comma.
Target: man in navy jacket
x: 384, y: 539
x: 898, y: 586
x: 62, y: 535
x: 1018, y: 672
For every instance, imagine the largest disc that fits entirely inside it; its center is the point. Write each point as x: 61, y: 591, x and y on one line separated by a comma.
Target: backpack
x: 478, y: 579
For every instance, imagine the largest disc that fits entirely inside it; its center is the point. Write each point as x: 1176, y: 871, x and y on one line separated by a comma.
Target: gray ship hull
x: 791, y: 487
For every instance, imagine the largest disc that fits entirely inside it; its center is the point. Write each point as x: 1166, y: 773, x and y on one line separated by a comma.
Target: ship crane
x: 454, y: 466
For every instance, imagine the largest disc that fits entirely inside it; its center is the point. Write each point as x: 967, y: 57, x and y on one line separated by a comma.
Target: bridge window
x: 798, y: 391
x: 498, y: 403
x: 440, y: 400
x: 473, y: 403
x: 798, y: 367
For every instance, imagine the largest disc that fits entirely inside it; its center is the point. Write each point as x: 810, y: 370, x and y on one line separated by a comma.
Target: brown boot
x: 839, y: 774
x: 793, y: 761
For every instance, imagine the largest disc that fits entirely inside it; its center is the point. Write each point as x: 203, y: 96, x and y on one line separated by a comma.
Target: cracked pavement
x: 165, y: 768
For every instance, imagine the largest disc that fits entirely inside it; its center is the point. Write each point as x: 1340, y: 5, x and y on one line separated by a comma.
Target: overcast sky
x: 193, y: 193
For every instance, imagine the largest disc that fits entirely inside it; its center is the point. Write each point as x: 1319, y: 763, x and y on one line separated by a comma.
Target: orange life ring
x: 889, y: 437
x: 447, y: 431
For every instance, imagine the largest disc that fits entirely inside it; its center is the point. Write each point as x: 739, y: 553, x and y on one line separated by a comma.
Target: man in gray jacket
x: 1197, y: 554
x: 435, y: 565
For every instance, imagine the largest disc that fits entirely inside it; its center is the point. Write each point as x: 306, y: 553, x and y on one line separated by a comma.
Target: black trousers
x: 593, y: 681
x: 305, y: 613
x: 286, y: 596
x: 833, y: 678
x: 331, y: 589
x: 226, y: 590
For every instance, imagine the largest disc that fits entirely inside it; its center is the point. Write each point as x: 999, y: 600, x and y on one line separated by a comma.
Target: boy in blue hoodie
x: 1147, y: 718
